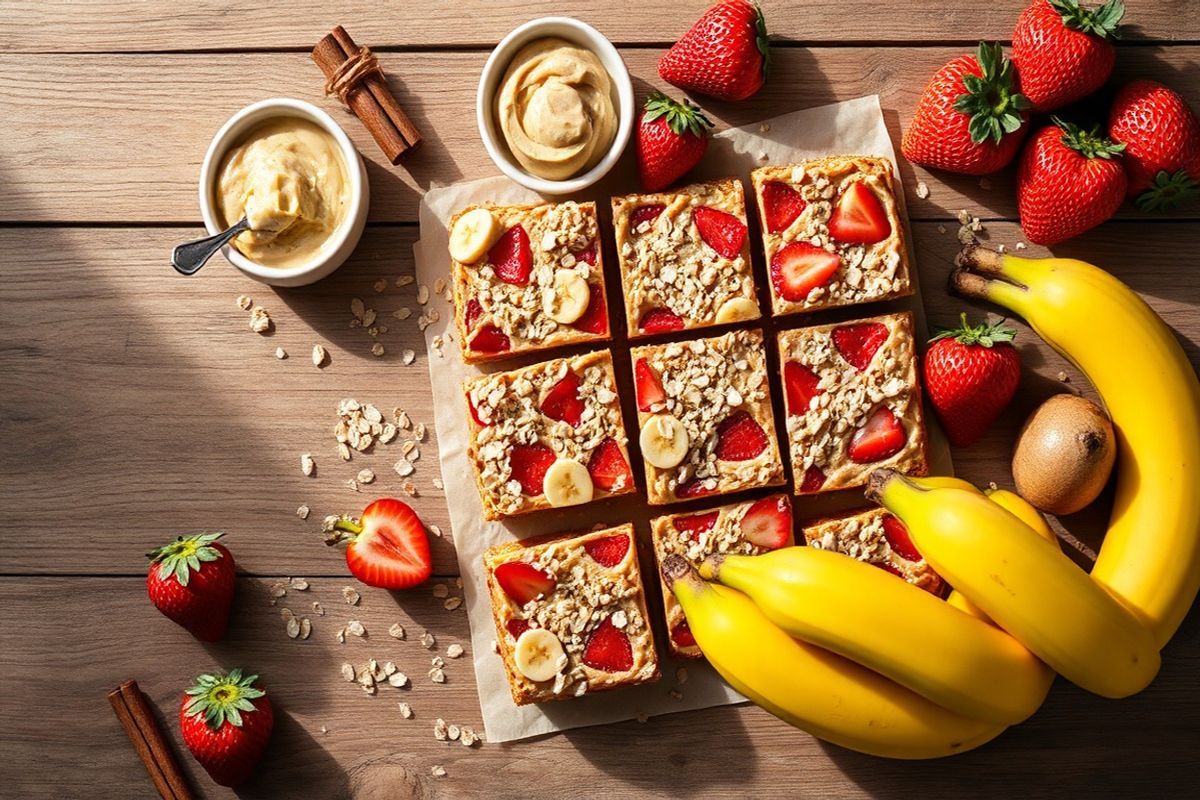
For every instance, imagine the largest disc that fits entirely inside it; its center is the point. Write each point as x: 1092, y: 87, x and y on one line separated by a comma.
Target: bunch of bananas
x: 853, y: 656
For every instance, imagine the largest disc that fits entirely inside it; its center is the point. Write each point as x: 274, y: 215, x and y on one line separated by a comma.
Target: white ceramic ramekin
x: 344, y: 239
x: 489, y: 83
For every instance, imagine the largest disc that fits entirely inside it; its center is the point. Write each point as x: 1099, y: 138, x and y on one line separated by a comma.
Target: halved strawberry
x: 609, y: 551
x: 595, y: 319
x: 801, y: 385
x: 858, y: 343
x: 475, y: 413
x: 723, y: 232
x: 562, y: 401
x: 388, y: 546
x: 660, y: 320
x: 740, y: 437
x: 529, y: 463
x: 647, y: 385
x: 768, y: 523
x: 608, y: 466
x: 682, y: 636
x: 608, y: 649
x: 472, y: 314
x: 691, y: 527
x: 511, y: 257
x: 813, y: 479
x: 490, y: 339
x: 801, y: 267
x: 859, y: 217
x: 897, y: 536
x: 523, y: 582
x: 645, y: 214
x: 881, y: 437
x: 781, y: 206
x: 693, y: 488
x: 588, y: 254
x: 516, y: 627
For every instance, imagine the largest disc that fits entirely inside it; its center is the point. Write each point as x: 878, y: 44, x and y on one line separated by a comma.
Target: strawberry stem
x: 345, y: 528
x: 681, y: 117
x: 991, y: 99
x: 983, y: 335
x: 1090, y: 143
x: 222, y: 698
x: 184, y: 556
x: 1103, y: 22
x: 1168, y: 191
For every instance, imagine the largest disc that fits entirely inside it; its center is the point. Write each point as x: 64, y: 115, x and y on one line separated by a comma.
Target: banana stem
x: 710, y: 568
x: 977, y: 274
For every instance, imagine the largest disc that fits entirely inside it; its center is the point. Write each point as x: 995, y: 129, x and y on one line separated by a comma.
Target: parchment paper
x: 851, y: 127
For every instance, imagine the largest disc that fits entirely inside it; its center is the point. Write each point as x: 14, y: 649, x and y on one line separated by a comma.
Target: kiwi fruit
x: 1064, y: 454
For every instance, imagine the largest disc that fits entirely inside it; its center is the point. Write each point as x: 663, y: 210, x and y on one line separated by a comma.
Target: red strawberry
x: 472, y: 314
x: 609, y: 551
x: 768, y: 523
x: 660, y: 320
x: 881, y: 437
x: 588, y: 254
x: 562, y: 401
x: 608, y: 467
x: 646, y: 214
x: 692, y: 488
x: 897, y: 536
x: 801, y: 267
x: 387, y: 547
x: 859, y: 217
x: 529, y: 463
x: 226, y: 721
x: 1162, y: 144
x: 1062, y: 51
x: 801, y: 385
x: 859, y: 342
x: 516, y: 627
x: 1067, y: 182
x: 813, y: 479
x: 726, y: 54
x: 490, y: 339
x: 648, y: 386
x: 523, y: 582
x: 692, y: 526
x: 682, y: 636
x: 740, y: 437
x: 595, y: 319
x: 191, y: 581
x: 781, y: 206
x: 970, y: 374
x: 723, y: 232
x: 475, y: 413
x: 608, y: 649
x: 511, y: 257
x: 970, y: 118
x: 671, y: 139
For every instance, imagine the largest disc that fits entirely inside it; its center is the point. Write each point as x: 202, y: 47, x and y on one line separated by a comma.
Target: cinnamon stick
x: 137, y: 718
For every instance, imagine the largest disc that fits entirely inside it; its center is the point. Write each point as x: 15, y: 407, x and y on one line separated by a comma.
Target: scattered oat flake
x: 397, y: 679
x: 260, y: 320
x: 419, y: 432
x: 348, y: 671
x: 452, y: 603
x: 454, y: 651
x: 319, y: 355
x: 380, y: 285
x: 1062, y: 376
x: 300, y: 584
x: 388, y: 433
x: 439, y: 729
x: 428, y: 641
x: 402, y: 419
x: 396, y: 631
x: 406, y: 711
x: 280, y: 353
x: 351, y: 594
x: 377, y: 349
x: 352, y: 484
x: 365, y: 476
x: 403, y: 468
x: 369, y: 319
x: 355, y: 628
x: 458, y: 582
x: 404, y: 280
x: 437, y: 661
x: 435, y: 530
x: 452, y: 732
x: 402, y: 313
x: 408, y: 356
x: 468, y: 737
x: 318, y: 608
x: 1019, y: 246
x: 410, y: 488
x: 344, y: 451
x: 438, y: 483
x: 922, y: 189
x: 438, y: 771
x: 278, y: 590
x: 357, y: 307
x: 307, y: 465
x: 440, y: 590
x: 340, y: 636
x: 244, y: 302
x: 302, y: 512
x: 437, y: 675
x: 305, y: 628
x: 422, y: 294
x: 286, y: 613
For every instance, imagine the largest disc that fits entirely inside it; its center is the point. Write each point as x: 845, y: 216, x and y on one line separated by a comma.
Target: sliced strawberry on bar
x: 562, y: 402
x: 781, y: 206
x: 490, y: 339
x: 768, y: 523
x: 881, y: 437
x: 647, y: 385
x: 858, y: 343
x: 645, y: 214
x: 608, y: 649
x: 740, y: 437
x: 723, y: 232
x: 475, y: 413
x: 511, y: 257
x: 516, y: 627
x: 473, y: 313
x: 523, y: 582
x: 682, y: 636
x: 693, y: 488
x: 801, y: 267
x: 609, y: 551
x: 529, y: 463
x: 801, y: 385
x: 692, y: 526
x: 588, y: 254
x: 897, y: 536
x: 660, y: 320
x: 608, y: 467
x: 813, y: 479
x: 595, y: 319
x: 859, y: 217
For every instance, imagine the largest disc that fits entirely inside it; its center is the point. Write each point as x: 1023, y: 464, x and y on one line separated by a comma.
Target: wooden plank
x: 65, y: 642
x: 138, y: 404
x: 105, y: 25
x: 119, y: 139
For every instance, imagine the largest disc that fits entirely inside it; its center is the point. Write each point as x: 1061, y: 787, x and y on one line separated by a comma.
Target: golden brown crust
x: 860, y: 534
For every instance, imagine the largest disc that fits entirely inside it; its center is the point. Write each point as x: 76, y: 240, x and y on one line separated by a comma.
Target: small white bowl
x: 489, y: 83
x: 344, y: 239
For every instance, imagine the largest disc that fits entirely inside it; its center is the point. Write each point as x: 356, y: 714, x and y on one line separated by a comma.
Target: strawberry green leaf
x: 984, y: 334
x: 184, y: 555
x: 681, y: 117
x: 223, y: 698
x: 1168, y: 191
x: 1091, y: 143
x: 1103, y: 22
x: 991, y: 99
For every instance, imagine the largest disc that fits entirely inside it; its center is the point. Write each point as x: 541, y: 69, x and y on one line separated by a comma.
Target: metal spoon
x: 189, y: 257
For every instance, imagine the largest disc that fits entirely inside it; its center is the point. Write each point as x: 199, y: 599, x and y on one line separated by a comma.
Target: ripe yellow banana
x: 822, y: 693
x: 1151, y: 553
x: 893, y: 627
x: 1025, y: 584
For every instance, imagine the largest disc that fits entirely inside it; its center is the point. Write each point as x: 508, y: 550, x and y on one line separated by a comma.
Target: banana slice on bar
x: 567, y: 483
x: 736, y: 309
x: 566, y: 298
x: 472, y: 235
x: 664, y: 441
x: 539, y: 654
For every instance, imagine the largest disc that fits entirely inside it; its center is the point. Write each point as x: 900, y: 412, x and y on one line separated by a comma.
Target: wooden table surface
x: 136, y: 405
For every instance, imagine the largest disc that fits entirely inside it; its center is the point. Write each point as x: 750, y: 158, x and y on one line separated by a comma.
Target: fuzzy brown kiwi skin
x: 1064, y: 454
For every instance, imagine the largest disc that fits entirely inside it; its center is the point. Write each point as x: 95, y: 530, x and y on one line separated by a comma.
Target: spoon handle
x: 189, y: 257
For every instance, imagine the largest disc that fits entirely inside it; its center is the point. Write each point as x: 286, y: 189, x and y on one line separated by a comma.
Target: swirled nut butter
x: 287, y: 176
x: 555, y: 109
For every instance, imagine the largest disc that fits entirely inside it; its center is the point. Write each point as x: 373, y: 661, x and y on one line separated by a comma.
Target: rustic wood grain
x: 119, y: 138
x: 65, y: 26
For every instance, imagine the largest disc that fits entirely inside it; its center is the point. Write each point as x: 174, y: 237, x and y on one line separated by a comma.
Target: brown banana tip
x: 975, y: 256
x: 877, y: 481
x: 712, y: 565
x: 675, y: 567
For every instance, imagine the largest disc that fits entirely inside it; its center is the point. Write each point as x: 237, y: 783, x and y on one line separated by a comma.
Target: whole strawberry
x: 971, y: 373
x: 970, y: 118
x: 671, y: 139
x: 1068, y: 181
x: 226, y: 721
x: 1162, y: 144
x: 191, y: 580
x: 725, y: 55
x: 1063, y: 51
